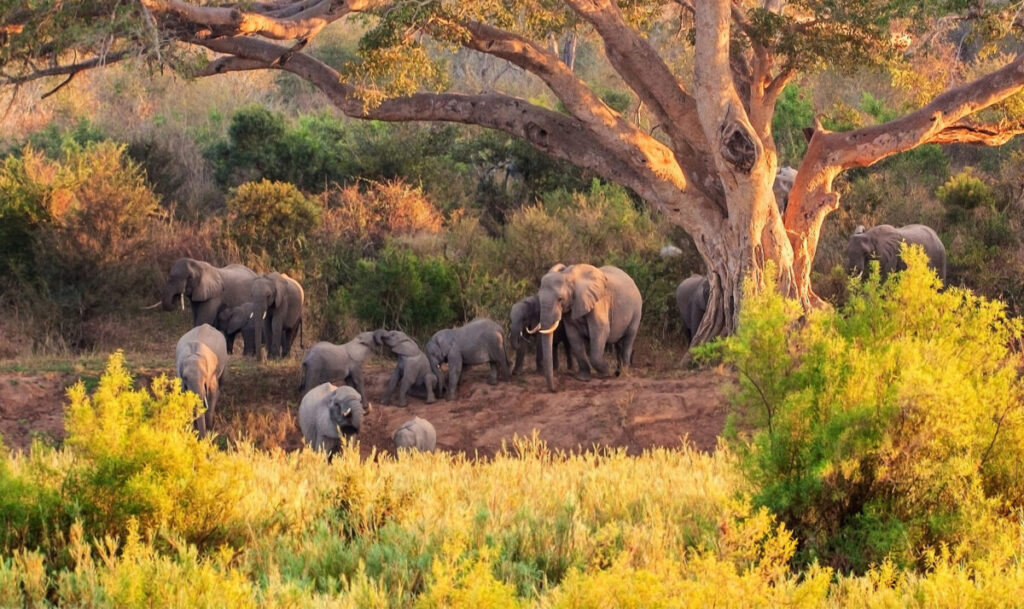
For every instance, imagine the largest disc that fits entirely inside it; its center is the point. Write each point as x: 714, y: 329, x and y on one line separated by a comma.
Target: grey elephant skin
x: 276, y: 299
x: 416, y: 433
x: 232, y: 321
x: 481, y: 341
x: 207, y: 288
x: 883, y: 242
x: 327, y: 413
x: 412, y: 374
x: 692, y: 301
x: 785, y: 177
x: 342, y: 364
x: 200, y: 361
x: 599, y: 306
x: 524, y: 321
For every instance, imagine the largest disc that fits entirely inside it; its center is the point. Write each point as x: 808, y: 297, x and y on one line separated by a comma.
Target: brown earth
x: 258, y: 403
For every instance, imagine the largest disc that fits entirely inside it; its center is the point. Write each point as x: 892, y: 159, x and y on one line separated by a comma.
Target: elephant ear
x: 557, y: 268
x: 206, y: 284
x: 589, y: 288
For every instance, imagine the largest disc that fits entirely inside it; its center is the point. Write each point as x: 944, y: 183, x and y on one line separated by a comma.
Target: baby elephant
x: 200, y: 361
x: 325, y: 410
x: 326, y: 362
x: 416, y: 433
x: 481, y: 341
x: 412, y: 375
x: 233, y: 321
x: 524, y: 322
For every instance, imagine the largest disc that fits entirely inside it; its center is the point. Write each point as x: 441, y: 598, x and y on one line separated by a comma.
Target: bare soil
x: 657, y: 406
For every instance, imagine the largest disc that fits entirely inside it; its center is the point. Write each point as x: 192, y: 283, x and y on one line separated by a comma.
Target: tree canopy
x: 707, y: 77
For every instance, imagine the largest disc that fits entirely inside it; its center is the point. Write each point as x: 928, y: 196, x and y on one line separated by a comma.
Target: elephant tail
x: 302, y: 339
x: 303, y: 375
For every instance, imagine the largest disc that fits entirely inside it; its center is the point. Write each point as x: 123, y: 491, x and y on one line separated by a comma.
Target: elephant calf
x: 692, y: 300
x: 327, y: 413
x: 201, y: 359
x: 481, y: 341
x: 412, y: 375
x: 883, y: 242
x: 524, y: 323
x: 416, y: 433
x: 327, y: 362
x: 232, y: 321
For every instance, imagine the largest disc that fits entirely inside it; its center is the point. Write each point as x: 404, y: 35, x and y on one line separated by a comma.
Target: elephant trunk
x: 259, y: 320
x: 546, y: 346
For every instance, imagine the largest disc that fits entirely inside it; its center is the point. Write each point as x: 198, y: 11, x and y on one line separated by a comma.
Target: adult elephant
x: 277, y: 300
x: 481, y: 341
x: 692, y: 301
x: 599, y: 304
x: 200, y: 361
x: 882, y: 243
x: 207, y: 287
x: 523, y: 318
x: 342, y: 364
x: 329, y: 413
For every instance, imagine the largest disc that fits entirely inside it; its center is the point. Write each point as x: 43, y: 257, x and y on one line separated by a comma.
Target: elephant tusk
x: 551, y: 329
x: 152, y: 306
x: 251, y: 315
x: 206, y: 404
x: 348, y: 411
x: 532, y: 330
x: 264, y: 315
x: 183, y: 301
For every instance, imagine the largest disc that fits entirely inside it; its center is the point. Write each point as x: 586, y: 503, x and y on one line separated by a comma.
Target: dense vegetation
x: 885, y: 443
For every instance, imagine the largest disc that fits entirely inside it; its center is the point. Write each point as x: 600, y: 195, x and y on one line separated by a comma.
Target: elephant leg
x: 229, y: 340
x: 626, y: 346
x: 205, y: 312
x: 392, y: 384
x: 403, y: 390
x: 578, y: 348
x: 498, y: 356
x: 598, y: 341
x: 357, y: 381
x: 539, y: 353
x: 517, y: 367
x: 200, y: 424
x: 454, y: 372
x: 276, y: 333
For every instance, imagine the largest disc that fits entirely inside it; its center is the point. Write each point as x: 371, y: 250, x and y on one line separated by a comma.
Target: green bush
x: 890, y: 429
x: 963, y: 193
x: 272, y: 221
x: 402, y: 290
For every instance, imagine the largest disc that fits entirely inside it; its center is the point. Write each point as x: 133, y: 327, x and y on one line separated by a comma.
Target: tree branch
x: 302, y: 24
x: 566, y: 137
x: 649, y: 77
x: 66, y: 70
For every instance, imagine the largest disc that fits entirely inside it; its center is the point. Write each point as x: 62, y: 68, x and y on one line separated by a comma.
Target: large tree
x: 709, y: 163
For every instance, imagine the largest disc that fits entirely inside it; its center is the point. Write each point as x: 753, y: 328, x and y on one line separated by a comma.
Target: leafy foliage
x: 964, y: 192
x: 272, y: 220
x: 888, y: 429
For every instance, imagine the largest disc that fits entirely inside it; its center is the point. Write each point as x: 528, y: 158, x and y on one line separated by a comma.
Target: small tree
x: 272, y: 219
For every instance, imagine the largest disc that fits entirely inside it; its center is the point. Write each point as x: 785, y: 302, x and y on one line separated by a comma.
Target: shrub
x: 402, y: 290
x: 964, y: 192
x: 84, y: 228
x: 272, y: 220
x: 363, y: 218
x: 888, y: 429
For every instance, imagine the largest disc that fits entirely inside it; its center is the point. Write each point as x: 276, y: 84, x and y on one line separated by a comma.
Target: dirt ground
x: 648, y: 408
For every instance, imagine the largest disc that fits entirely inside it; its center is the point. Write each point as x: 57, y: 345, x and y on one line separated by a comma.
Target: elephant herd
x: 582, y: 308
x: 579, y: 308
